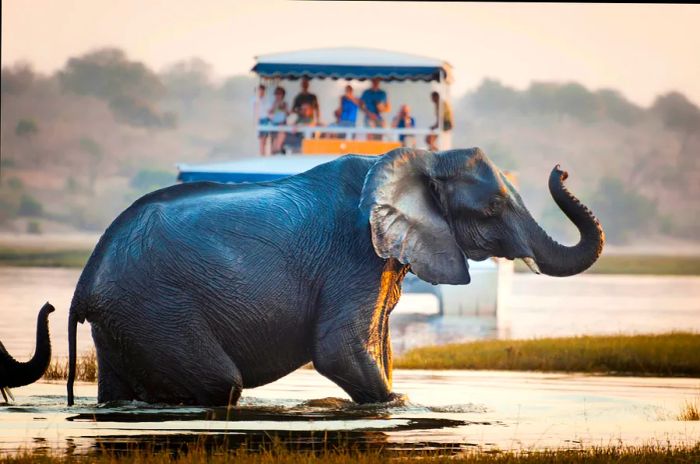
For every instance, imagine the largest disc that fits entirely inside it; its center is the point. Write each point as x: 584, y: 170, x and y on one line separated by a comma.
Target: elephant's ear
x: 406, y: 221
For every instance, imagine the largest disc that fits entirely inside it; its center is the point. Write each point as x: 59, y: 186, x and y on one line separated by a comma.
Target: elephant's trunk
x: 24, y: 373
x: 555, y: 259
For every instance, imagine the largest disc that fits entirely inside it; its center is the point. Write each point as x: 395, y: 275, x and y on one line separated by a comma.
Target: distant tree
x: 148, y: 180
x: 623, y: 211
x: 541, y: 97
x: 187, y: 80
x: 29, y: 206
x: 26, y: 129
x: 107, y: 74
x: 140, y: 113
x: 15, y: 183
x: 237, y: 87
x: 34, y: 227
x: 682, y: 116
x: 16, y: 79
x: 576, y: 100
x: 618, y: 108
x: 677, y: 112
x: 94, y: 153
x: 492, y: 96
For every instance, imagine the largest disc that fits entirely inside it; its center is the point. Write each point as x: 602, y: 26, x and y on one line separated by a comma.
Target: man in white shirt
x: 261, y: 107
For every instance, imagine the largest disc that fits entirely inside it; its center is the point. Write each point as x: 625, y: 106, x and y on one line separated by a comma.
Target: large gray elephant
x: 199, y: 290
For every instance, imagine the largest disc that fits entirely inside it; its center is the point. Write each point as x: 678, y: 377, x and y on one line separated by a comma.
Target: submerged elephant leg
x: 353, y: 368
x: 352, y: 345
x: 110, y: 385
x: 219, y: 382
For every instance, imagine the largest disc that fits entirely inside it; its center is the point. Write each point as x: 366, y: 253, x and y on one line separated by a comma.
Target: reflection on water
x: 448, y: 411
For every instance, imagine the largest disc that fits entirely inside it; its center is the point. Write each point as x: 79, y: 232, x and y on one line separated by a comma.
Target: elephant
x: 199, y: 290
x: 17, y: 374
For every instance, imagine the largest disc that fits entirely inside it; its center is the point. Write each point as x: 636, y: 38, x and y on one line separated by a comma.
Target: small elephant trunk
x: 558, y: 260
x: 24, y: 373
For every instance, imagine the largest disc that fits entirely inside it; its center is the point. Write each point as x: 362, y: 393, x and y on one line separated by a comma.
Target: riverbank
x: 72, y: 256
x: 339, y: 455
x: 666, y: 355
x: 639, y: 265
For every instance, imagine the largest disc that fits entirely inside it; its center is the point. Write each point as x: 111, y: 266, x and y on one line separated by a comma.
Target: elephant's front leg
x: 355, y: 363
x: 352, y: 346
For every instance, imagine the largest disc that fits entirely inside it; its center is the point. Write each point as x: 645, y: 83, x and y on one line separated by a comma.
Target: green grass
x: 43, y: 257
x: 639, y: 264
x: 596, y: 455
x: 673, y: 354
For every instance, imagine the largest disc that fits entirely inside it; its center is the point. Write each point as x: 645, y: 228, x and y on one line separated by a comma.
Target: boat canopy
x: 352, y: 63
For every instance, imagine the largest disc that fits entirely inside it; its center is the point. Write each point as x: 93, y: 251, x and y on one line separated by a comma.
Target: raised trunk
x: 558, y: 260
x: 17, y: 374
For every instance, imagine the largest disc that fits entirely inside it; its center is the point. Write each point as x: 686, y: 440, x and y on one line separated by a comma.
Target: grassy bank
x: 673, y: 354
x: 598, y: 455
x: 43, y: 257
x: 85, y: 368
x: 666, y: 355
x: 639, y: 265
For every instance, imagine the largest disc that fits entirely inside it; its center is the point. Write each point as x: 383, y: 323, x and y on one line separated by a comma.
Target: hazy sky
x: 641, y: 50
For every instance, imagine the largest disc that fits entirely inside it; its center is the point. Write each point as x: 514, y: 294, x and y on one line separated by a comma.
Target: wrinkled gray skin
x: 199, y: 290
x: 14, y: 373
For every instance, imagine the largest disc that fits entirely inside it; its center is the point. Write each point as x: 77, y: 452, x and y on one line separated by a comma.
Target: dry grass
x: 690, y: 410
x: 86, y: 368
x: 663, y: 355
x: 597, y: 455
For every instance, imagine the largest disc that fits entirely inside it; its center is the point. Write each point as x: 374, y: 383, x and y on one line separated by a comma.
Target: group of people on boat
x: 373, y: 103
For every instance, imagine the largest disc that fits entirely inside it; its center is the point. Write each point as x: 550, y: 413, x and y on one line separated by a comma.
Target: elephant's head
x: 435, y: 210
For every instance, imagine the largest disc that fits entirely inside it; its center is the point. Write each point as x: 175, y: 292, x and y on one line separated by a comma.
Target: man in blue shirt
x: 374, y: 102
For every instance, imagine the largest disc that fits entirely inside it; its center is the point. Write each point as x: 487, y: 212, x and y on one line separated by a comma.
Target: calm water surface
x: 445, y: 410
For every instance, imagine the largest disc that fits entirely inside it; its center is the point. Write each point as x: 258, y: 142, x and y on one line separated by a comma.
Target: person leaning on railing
x: 346, y: 113
x: 306, y: 117
x: 278, y: 117
x: 447, y: 122
x: 374, y: 102
x: 306, y: 97
x: 261, y: 107
x: 404, y: 120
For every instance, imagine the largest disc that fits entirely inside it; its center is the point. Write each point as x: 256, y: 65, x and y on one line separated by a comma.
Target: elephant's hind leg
x: 218, y: 382
x: 111, y: 385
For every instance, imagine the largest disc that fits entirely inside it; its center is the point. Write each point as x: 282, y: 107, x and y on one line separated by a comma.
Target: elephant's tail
x: 72, y: 328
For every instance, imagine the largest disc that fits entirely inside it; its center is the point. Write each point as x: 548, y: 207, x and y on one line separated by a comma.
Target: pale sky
x: 641, y: 50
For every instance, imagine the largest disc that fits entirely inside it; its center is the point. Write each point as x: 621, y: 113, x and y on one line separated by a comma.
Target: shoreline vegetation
x: 276, y: 453
x: 76, y: 257
x: 663, y: 355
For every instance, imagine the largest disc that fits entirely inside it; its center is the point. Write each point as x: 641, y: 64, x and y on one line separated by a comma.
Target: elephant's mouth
x: 529, y: 261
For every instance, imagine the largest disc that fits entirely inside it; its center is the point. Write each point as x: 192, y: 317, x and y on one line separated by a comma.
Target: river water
x: 448, y: 410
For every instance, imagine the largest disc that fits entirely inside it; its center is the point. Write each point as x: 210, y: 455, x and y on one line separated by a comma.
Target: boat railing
x: 312, y: 131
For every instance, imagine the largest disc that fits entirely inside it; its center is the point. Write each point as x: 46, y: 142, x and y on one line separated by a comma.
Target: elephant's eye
x: 495, y: 206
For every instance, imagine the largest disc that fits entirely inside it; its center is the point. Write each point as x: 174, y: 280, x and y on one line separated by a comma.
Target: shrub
x: 33, y: 227
x: 29, y: 206
x: 148, y: 180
